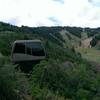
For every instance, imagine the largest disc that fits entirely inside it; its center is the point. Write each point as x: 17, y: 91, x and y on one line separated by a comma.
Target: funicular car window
x: 19, y: 48
x: 34, y: 48
x: 37, y: 49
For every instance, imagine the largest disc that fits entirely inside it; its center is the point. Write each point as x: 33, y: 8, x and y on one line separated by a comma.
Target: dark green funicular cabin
x: 26, y: 53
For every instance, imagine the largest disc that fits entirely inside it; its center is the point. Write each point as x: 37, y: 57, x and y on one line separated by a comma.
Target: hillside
x: 63, y: 75
x: 70, y: 39
x: 89, y: 48
x: 86, y: 42
x: 91, y: 54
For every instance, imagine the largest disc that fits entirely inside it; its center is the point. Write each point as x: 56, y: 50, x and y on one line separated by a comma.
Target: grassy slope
x: 70, y: 39
x: 90, y: 54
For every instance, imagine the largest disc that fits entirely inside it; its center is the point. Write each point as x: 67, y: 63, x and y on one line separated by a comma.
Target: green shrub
x: 12, y: 82
x: 78, y: 82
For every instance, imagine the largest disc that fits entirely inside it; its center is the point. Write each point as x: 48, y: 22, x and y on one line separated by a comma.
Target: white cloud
x: 95, y: 2
x: 39, y: 12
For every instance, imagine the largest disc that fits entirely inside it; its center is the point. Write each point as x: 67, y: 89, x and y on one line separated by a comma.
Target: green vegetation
x: 70, y: 39
x: 12, y: 82
x: 52, y: 79
x: 91, y: 54
x: 95, y: 41
x: 63, y: 75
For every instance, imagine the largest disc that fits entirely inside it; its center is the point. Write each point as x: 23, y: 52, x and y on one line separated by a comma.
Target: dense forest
x: 47, y: 30
x: 96, y: 41
x: 63, y: 75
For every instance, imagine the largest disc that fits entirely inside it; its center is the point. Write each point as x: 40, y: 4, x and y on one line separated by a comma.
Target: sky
x: 33, y: 13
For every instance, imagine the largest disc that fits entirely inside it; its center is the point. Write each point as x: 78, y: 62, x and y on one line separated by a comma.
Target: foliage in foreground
x: 77, y: 82
x: 12, y: 82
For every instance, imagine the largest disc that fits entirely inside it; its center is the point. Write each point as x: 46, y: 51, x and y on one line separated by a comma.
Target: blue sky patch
x: 95, y: 2
x: 60, y: 1
x: 55, y: 20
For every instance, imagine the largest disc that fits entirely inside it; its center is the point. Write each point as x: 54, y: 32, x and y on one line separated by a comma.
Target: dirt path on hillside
x: 86, y: 42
